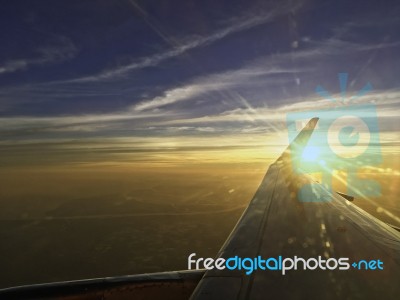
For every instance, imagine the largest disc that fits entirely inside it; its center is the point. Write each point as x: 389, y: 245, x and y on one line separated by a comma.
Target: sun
x: 310, y: 154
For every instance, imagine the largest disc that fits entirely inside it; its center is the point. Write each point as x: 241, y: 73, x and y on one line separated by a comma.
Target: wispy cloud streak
x: 387, y: 102
x: 239, y: 24
x: 270, y: 65
x: 61, y: 49
x: 210, y: 83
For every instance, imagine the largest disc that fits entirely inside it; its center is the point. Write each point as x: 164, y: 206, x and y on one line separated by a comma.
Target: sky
x: 123, y: 81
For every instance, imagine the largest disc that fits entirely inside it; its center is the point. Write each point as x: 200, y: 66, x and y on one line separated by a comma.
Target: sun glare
x: 310, y: 154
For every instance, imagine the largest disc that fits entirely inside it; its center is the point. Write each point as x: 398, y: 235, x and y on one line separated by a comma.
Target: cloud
x: 60, y: 49
x: 245, y: 119
x: 387, y: 102
x: 175, y: 95
x: 13, y: 65
x: 214, y: 82
x: 238, y: 24
x: 252, y: 132
x: 12, y: 126
x: 336, y: 46
x: 267, y: 66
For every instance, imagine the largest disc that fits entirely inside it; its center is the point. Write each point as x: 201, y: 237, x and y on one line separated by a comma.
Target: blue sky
x: 173, y: 74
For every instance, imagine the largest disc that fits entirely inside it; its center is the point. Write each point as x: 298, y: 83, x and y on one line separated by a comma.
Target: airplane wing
x: 177, y: 285
x: 275, y: 224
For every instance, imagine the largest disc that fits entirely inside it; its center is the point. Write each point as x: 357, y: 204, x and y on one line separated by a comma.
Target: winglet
x: 347, y: 197
x: 301, y: 140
